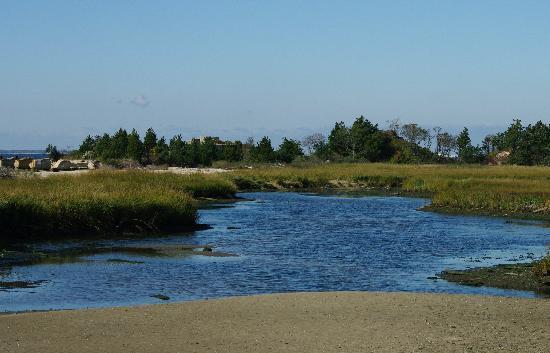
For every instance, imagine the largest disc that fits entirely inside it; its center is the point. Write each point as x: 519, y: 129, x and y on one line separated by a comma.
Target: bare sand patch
x: 174, y: 170
x: 301, y: 322
x: 189, y: 171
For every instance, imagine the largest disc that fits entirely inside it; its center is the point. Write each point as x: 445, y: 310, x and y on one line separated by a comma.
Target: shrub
x: 541, y: 268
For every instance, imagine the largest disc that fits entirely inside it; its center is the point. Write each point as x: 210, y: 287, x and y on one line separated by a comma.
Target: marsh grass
x: 102, y: 202
x: 498, y: 190
x: 541, y: 268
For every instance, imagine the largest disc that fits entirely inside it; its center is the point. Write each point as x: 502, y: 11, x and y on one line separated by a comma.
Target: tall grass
x: 102, y: 202
x: 514, y: 190
x: 140, y: 201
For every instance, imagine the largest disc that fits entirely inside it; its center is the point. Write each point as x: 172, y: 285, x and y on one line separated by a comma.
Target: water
x: 35, y: 154
x: 288, y: 242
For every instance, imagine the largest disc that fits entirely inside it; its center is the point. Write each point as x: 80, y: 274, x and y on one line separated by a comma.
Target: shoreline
x: 335, y: 187
x: 480, y: 276
x: 203, y: 192
x: 295, y: 322
x: 519, y: 276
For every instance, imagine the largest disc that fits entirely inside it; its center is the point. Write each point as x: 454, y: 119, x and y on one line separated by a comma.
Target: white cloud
x: 140, y: 101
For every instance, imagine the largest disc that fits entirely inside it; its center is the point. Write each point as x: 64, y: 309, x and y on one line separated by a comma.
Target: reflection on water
x: 286, y: 242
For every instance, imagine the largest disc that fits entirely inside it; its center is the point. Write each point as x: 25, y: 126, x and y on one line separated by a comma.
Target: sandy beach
x: 301, y: 322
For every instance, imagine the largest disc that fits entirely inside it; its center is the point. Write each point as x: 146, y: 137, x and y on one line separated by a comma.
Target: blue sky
x: 282, y: 68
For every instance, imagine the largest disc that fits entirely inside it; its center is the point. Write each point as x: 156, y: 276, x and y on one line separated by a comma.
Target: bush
x: 541, y: 268
x: 6, y: 173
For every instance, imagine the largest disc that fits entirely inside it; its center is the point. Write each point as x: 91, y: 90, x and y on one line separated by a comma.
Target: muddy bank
x: 532, y: 218
x: 509, y: 276
x: 9, y: 258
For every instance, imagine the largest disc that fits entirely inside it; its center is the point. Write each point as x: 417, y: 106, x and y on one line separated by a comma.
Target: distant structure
x: 7, y: 162
x: 23, y: 163
x: 501, y: 158
x: 41, y: 164
x: 47, y: 164
x: 202, y: 139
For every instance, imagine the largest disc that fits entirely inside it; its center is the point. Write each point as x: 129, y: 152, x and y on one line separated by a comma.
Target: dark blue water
x: 289, y: 242
x: 36, y: 154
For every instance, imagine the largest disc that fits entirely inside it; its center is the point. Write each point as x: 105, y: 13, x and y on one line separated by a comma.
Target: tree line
x: 177, y: 152
x: 362, y: 141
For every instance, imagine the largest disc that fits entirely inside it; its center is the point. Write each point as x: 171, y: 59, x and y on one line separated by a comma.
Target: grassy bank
x: 504, y: 190
x: 521, y: 276
x: 483, y: 190
x: 137, y: 201
x: 102, y: 202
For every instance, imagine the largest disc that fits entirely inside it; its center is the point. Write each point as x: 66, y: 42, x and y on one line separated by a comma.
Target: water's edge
x: 223, y: 219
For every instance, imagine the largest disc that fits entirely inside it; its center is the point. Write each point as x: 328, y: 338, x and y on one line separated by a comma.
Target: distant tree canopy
x: 233, y: 151
x: 53, y: 153
x: 365, y: 141
x: 263, y: 151
x: 149, y: 143
x: 289, y: 150
x: 445, y: 144
x: 528, y: 145
x: 362, y: 141
x: 134, y: 146
x: 467, y: 153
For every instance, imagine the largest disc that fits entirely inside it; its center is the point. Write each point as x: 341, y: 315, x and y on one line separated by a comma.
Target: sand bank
x: 303, y: 322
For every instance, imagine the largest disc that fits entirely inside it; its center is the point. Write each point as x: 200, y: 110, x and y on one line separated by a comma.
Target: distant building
x: 202, y: 139
x: 23, y: 163
x: 41, y: 164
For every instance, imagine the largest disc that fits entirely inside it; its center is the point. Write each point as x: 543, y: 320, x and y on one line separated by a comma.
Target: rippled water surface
x: 288, y: 242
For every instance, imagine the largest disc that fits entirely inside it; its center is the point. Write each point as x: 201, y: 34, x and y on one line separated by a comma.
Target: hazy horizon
x: 67, y: 141
x: 285, y: 68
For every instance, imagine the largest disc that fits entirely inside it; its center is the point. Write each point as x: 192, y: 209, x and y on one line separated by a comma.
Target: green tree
x: 119, y: 144
x: 463, y: 143
x: 360, y: 135
x: 87, y: 145
x: 377, y: 147
x: 103, y: 148
x: 135, y: 146
x: 339, y: 140
x: 208, y: 152
x: 192, y: 153
x: 233, y: 151
x: 149, y: 143
x: 161, y: 152
x: 487, y: 145
x: 248, y: 149
x: 53, y: 153
x: 533, y: 145
x: 177, y: 151
x: 416, y: 135
x: 322, y: 150
x: 467, y: 153
x: 512, y: 137
x: 263, y: 151
x: 289, y: 150
x: 446, y: 144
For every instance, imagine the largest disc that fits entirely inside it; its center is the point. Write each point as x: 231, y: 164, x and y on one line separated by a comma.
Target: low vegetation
x: 102, y: 202
x: 6, y: 173
x: 504, y: 190
x: 116, y: 201
x: 541, y: 268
